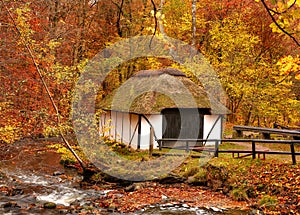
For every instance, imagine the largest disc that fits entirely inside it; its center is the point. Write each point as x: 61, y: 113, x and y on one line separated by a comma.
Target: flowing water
x: 32, y: 177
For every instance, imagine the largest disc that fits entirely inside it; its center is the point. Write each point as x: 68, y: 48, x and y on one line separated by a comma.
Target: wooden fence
x: 189, y: 145
x: 266, y: 132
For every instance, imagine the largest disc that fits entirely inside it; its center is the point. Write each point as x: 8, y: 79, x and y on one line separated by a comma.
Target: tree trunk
x: 194, y: 7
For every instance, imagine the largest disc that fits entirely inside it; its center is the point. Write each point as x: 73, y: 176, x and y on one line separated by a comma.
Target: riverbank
x: 152, y: 193
x: 33, y: 176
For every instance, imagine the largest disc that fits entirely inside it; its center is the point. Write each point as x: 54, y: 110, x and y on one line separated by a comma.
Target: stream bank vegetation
x: 271, y: 186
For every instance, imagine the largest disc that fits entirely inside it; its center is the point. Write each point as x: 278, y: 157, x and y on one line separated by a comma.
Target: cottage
x: 167, y: 101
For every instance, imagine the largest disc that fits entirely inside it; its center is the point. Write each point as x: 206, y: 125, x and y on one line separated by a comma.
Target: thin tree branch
x: 27, y: 46
x: 287, y: 76
x: 194, y: 2
x: 120, y: 7
x: 160, y: 21
x: 278, y: 13
x: 155, y: 20
x: 276, y: 23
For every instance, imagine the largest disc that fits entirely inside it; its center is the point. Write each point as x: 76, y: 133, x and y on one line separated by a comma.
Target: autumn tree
x: 256, y: 60
x: 244, y: 50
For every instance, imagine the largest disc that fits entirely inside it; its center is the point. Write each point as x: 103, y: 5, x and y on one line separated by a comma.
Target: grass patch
x: 279, y: 146
x: 239, y: 194
x: 189, y: 168
x: 67, y: 158
x: 268, y: 201
x: 229, y: 145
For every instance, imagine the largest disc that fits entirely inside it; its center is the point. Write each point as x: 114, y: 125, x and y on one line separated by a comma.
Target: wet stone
x: 49, y: 205
x: 10, y: 205
x: 2, y: 176
x: 57, y: 173
x: 134, y: 187
x: 216, y: 209
x: 16, y: 191
x: 63, y: 211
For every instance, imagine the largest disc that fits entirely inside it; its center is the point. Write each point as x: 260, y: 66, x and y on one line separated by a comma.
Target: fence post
x: 159, y: 144
x: 293, y: 153
x: 151, y: 141
x: 139, y: 132
x: 187, y: 149
x: 216, y: 148
x: 253, y: 150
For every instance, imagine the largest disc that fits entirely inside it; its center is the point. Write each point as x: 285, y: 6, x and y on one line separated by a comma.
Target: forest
x: 252, y: 45
x: 45, y: 46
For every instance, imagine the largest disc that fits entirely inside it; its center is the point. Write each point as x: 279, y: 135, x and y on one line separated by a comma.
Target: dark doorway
x: 183, y: 123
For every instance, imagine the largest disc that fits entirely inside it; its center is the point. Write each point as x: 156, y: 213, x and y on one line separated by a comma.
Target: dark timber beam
x: 139, y: 131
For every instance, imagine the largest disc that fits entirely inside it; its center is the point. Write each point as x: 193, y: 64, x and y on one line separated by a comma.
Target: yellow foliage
x: 288, y: 18
x: 289, y: 65
x: 9, y: 134
x: 51, y: 131
x: 22, y: 21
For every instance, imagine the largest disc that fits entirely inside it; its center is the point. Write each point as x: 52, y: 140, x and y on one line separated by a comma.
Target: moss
x: 67, y: 158
x: 190, y: 171
x: 152, y: 102
x: 200, y: 178
x: 268, y: 201
x: 239, y: 194
x: 49, y: 205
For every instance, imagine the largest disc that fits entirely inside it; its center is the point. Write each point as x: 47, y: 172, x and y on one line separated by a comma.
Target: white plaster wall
x: 121, y: 126
x: 105, y: 124
x: 216, y: 133
x: 156, y: 121
x: 117, y: 125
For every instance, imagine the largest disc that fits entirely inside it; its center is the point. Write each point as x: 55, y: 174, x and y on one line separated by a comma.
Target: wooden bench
x: 266, y: 132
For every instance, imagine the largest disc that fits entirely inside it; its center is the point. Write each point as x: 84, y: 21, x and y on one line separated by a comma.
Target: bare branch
x: 277, y: 24
x: 155, y: 19
x: 120, y: 12
x: 194, y: 2
x: 28, y: 48
x: 160, y: 21
x: 278, y: 13
x: 287, y: 76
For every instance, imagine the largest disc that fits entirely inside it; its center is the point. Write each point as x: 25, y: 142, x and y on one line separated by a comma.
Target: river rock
x: 171, y: 179
x: 111, y: 208
x: 2, y: 176
x: 49, y: 205
x: 16, y: 191
x: 134, y: 187
x: 217, y: 177
x: 216, y: 209
x: 57, y: 173
x: 10, y: 205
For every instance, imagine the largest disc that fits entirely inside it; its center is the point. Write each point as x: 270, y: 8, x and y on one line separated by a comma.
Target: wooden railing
x: 266, y: 132
x: 189, y: 144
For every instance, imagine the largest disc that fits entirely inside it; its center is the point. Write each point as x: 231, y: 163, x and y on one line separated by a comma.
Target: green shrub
x: 239, y: 194
x: 268, y: 201
x: 201, y: 176
x: 67, y: 157
x: 51, y: 131
x: 190, y: 171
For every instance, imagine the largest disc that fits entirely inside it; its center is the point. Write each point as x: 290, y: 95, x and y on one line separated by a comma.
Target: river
x: 31, y: 179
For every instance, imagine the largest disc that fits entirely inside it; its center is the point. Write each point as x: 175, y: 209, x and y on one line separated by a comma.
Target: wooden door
x: 182, y: 123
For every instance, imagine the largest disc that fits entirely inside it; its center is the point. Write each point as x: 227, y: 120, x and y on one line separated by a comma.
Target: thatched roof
x: 151, y: 91
x: 153, y: 73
